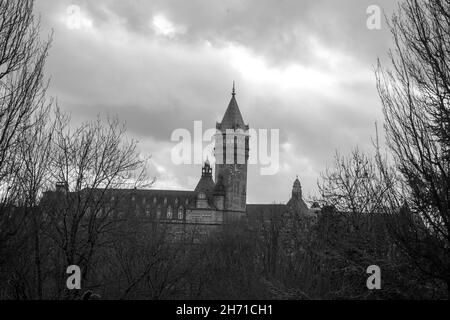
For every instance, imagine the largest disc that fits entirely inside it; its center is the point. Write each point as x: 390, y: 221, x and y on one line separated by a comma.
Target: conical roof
x: 232, y: 118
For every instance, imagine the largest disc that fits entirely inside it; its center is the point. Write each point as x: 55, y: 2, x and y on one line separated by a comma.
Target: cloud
x: 163, y: 26
x: 304, y: 67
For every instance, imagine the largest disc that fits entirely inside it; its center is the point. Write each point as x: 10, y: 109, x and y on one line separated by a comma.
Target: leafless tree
x: 23, y: 106
x: 415, y: 93
x: 22, y: 85
x: 356, y: 183
x: 88, y: 162
x: 364, y: 195
x: 32, y: 178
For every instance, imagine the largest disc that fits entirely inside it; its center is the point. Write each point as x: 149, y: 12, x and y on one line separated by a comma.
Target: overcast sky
x: 303, y: 67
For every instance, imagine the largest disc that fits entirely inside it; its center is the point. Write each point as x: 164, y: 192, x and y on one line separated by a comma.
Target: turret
x: 297, y: 189
x: 296, y: 202
x: 206, y: 183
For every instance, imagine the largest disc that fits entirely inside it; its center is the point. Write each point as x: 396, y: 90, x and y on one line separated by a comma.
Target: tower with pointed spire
x: 297, y: 189
x: 232, y: 152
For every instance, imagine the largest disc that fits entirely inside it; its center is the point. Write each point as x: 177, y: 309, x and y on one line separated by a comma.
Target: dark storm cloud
x: 277, y: 29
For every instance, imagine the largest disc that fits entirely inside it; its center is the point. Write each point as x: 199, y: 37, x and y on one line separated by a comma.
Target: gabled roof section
x: 206, y: 185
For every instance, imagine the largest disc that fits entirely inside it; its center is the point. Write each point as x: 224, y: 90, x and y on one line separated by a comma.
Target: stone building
x: 213, y: 201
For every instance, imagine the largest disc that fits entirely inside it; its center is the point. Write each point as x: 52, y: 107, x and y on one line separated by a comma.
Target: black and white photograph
x: 224, y: 155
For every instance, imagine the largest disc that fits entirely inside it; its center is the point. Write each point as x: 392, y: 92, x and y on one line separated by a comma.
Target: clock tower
x: 231, y: 153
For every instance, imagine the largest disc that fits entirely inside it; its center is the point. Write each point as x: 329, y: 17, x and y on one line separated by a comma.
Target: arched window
x: 154, y: 200
x: 158, y: 212
x: 180, y: 213
x: 147, y: 211
x: 169, y: 212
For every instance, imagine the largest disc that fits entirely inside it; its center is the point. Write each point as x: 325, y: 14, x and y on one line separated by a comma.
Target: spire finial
x: 233, y: 92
